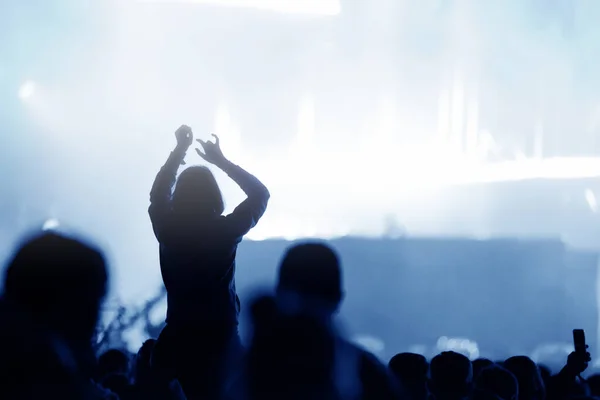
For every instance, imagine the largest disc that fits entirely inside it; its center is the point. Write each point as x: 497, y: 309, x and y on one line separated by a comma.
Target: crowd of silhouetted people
x: 54, y: 286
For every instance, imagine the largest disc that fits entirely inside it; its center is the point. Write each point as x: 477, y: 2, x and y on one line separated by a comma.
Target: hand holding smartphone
x: 579, y: 341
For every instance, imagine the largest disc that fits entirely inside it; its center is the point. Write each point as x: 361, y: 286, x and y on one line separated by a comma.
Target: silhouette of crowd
x: 54, y: 286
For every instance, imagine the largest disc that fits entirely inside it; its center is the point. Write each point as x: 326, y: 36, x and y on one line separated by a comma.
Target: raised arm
x: 160, y: 194
x: 246, y: 215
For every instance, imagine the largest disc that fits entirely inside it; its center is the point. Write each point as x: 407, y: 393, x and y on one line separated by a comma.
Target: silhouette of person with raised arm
x: 197, y: 256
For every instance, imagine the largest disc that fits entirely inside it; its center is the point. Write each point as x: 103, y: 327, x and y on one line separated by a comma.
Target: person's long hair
x: 197, y: 194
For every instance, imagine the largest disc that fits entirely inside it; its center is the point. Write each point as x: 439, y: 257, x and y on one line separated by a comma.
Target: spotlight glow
x: 27, y: 90
x: 50, y: 224
x: 463, y: 346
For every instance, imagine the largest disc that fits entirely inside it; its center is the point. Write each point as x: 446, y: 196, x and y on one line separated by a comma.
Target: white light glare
x: 27, y: 90
x: 590, y: 197
x: 460, y: 345
x: 50, y: 224
x: 310, y: 7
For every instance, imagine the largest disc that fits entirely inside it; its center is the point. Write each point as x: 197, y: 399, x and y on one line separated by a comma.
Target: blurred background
x: 395, y: 119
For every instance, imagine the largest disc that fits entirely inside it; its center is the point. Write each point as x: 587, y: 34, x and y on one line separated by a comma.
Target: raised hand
x: 184, y: 136
x: 212, y: 151
x: 577, y: 362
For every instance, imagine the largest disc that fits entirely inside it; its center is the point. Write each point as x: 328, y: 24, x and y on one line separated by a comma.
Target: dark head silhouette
x: 312, y: 270
x: 113, y: 361
x: 480, y: 364
x: 60, y: 282
x: 411, y: 369
x: 451, y: 376
x: 498, y: 381
x: 531, y: 386
x: 197, y: 194
x: 309, y: 292
x: 409, y: 366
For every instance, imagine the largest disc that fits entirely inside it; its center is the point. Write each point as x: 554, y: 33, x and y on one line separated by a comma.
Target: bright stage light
x: 50, y: 225
x: 590, y: 197
x: 463, y: 346
x: 310, y: 7
x: 27, y: 90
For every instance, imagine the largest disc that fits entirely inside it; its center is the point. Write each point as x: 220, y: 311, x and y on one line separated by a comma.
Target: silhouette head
x: 531, y: 385
x: 411, y: 370
x: 497, y: 381
x: 479, y: 365
x: 450, y: 376
x: 311, y: 271
x: 197, y: 194
x: 113, y: 361
x: 409, y: 366
x: 60, y: 282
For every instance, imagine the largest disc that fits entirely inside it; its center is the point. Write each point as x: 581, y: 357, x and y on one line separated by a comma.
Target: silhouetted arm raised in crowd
x: 562, y: 384
x: 246, y: 215
x: 160, y: 195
